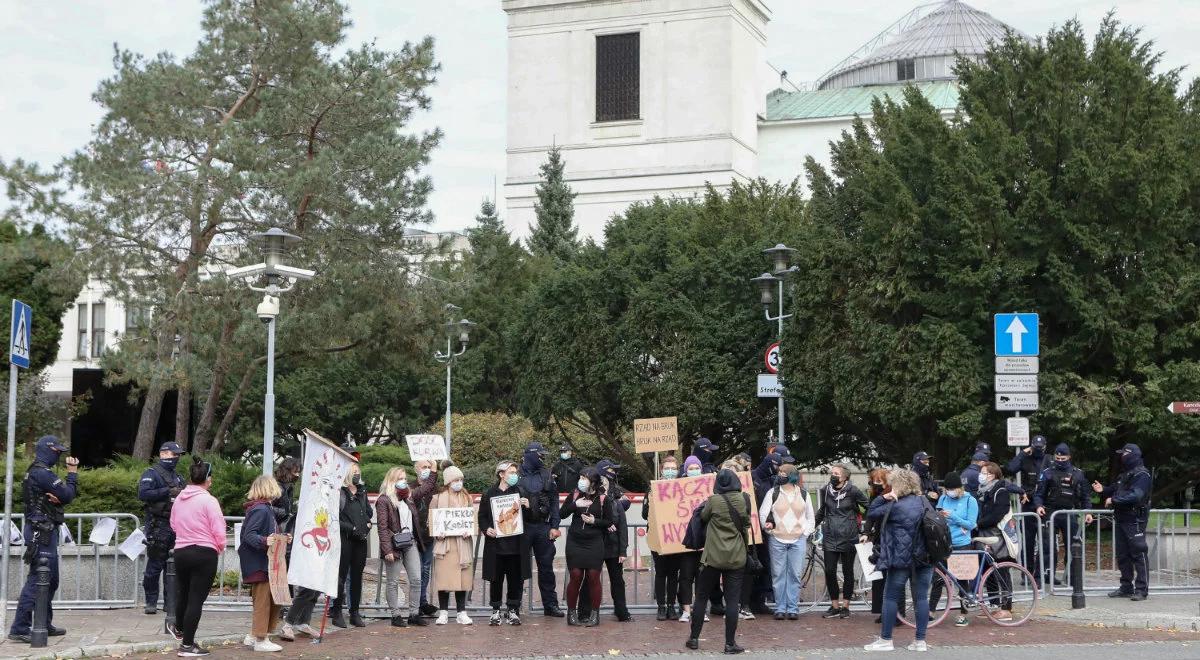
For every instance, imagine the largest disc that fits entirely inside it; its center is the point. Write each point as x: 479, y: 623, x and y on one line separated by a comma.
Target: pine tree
x: 554, y: 234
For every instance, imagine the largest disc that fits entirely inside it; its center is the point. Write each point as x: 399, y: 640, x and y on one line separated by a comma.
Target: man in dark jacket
x: 45, y: 495
x: 1060, y: 487
x: 982, y: 447
x: 157, y: 490
x: 566, y: 470
x: 616, y: 543
x: 1130, y: 499
x: 920, y: 465
x: 427, y: 476
x: 764, y: 477
x: 1027, y: 466
x: 537, y: 481
x: 705, y: 450
x: 970, y: 475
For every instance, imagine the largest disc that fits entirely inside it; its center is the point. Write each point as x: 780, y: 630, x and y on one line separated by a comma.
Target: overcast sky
x: 54, y: 53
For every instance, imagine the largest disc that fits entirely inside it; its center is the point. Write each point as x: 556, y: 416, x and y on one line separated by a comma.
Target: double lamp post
x: 459, y: 329
x: 771, y: 292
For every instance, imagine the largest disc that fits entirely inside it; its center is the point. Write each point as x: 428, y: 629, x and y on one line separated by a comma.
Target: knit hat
x: 952, y: 481
x: 451, y: 474
x: 689, y: 462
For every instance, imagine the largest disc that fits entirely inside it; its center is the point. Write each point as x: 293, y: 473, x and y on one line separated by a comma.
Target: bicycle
x: 989, y: 598
x: 813, y: 590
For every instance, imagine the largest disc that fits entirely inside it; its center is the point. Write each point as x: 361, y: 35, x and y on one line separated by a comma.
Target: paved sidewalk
x: 93, y: 633
x: 1157, y: 612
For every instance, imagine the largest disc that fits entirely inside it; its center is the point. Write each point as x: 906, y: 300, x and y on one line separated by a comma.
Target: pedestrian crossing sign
x: 20, y: 337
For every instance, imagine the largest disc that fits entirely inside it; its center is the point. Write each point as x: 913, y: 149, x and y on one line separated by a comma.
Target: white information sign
x: 1017, y: 401
x: 769, y: 387
x: 1017, y: 365
x: 1018, y: 431
x: 1016, y: 382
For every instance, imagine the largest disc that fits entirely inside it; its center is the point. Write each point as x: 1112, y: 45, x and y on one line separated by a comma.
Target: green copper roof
x: 849, y: 101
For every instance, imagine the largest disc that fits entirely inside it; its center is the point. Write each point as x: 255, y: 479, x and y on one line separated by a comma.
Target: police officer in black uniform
x: 920, y: 465
x: 157, y: 490
x: 1028, y: 464
x: 536, y: 480
x: 1061, y: 486
x: 45, y: 496
x: 566, y: 470
x: 1130, y: 499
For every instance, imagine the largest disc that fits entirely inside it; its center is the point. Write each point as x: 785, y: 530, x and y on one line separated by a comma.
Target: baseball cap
x: 705, y: 443
x: 171, y: 447
x: 607, y: 468
x: 535, y: 447
x: 50, y: 442
x: 1130, y: 447
x: 1038, y: 441
x: 1062, y: 449
x: 983, y: 447
x: 979, y: 456
x: 921, y: 456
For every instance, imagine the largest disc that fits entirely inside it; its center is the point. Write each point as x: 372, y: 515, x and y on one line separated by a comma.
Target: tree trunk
x: 220, y: 374
x: 148, y: 425
x: 231, y: 413
x: 183, y: 399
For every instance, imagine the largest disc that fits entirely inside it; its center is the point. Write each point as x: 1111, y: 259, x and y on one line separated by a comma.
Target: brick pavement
x: 116, y: 629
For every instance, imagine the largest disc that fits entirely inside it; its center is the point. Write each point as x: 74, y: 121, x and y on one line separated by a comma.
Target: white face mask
x: 456, y: 486
x: 984, y: 478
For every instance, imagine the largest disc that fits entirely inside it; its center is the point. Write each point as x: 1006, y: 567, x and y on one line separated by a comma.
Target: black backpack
x: 694, y: 537
x: 936, y: 531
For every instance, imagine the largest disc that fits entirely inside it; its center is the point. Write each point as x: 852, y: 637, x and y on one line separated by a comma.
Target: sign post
x: 1184, y: 408
x: 19, y: 341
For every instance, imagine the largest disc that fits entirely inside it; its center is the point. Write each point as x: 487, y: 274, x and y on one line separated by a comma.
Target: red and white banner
x: 317, y: 542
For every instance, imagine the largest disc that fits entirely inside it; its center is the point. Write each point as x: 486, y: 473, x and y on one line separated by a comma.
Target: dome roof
x: 943, y: 29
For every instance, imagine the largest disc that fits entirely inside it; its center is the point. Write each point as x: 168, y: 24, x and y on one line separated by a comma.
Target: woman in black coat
x: 841, y: 504
x: 995, y: 503
x: 355, y: 519
x: 591, y: 515
x: 505, y: 557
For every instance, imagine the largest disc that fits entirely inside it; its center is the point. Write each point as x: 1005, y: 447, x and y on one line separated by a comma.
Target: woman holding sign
x: 452, y: 525
x: 591, y: 514
x: 503, y: 512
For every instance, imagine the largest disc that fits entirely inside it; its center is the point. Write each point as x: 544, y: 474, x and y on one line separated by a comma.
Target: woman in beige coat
x: 451, y: 554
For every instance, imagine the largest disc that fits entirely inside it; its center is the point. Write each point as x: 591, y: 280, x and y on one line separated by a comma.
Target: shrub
x: 487, y: 438
x: 478, y: 478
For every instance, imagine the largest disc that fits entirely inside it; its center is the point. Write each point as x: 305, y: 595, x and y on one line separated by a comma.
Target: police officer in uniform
x: 920, y: 465
x: 970, y: 475
x: 705, y: 450
x: 566, y: 470
x: 1061, y: 486
x: 157, y: 490
x: 1028, y: 464
x: 982, y: 447
x: 536, y: 480
x: 45, y: 496
x: 1130, y: 499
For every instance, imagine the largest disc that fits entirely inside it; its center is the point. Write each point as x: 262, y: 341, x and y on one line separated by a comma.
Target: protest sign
x: 672, y: 502
x: 277, y: 570
x: 426, y: 447
x: 133, y: 544
x: 317, y: 550
x: 656, y: 434
x: 506, y: 514
x: 452, y: 522
x: 964, y: 566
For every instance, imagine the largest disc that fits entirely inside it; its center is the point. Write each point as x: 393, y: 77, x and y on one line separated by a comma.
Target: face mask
x: 456, y: 486
x: 984, y: 478
x: 169, y: 463
x: 1062, y: 460
x: 583, y: 485
x: 833, y: 480
x: 670, y: 473
x: 793, y: 478
x: 693, y: 472
x: 425, y: 474
x: 402, y: 493
x: 402, y: 485
x: 356, y: 480
x: 512, y: 479
x: 1129, y: 461
x: 566, y: 455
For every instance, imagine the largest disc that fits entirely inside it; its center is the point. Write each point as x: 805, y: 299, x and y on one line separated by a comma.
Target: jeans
x: 195, y: 566
x: 402, y: 590
x: 706, y: 583
x: 897, y: 578
x: 426, y: 571
x: 787, y: 562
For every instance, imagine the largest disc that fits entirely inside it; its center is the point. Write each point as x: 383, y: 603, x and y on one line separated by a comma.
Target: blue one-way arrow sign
x: 20, y: 337
x: 1016, y: 335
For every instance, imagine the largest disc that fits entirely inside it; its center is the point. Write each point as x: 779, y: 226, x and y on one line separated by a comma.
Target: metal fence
x: 91, y: 575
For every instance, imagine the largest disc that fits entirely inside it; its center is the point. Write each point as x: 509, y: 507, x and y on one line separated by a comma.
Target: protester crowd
x: 727, y: 570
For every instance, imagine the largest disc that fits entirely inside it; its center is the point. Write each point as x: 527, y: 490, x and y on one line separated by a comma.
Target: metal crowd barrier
x: 91, y: 576
x: 1173, y: 566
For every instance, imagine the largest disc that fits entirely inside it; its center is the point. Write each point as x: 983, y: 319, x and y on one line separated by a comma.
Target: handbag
x: 403, y: 539
x: 753, y: 565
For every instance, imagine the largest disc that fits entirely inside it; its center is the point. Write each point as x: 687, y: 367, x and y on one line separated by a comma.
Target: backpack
x: 936, y: 531
x: 694, y: 537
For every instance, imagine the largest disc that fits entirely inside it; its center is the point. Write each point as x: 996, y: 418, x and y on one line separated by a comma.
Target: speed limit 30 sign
x: 771, y: 358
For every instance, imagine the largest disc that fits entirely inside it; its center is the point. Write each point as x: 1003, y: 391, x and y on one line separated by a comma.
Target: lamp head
x: 780, y: 255
x: 275, y: 242
x: 464, y: 330
x: 766, y: 285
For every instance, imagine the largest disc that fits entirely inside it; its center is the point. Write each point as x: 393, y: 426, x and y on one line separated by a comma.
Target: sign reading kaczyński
x: 673, y: 500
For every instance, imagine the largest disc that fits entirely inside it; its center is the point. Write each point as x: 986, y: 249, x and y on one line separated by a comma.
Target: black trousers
x: 301, y: 609
x: 354, y: 562
x: 543, y: 555
x: 666, y: 578
x: 708, y: 580
x: 846, y: 559
x: 508, y: 568
x: 460, y: 601
x: 689, y: 570
x: 1131, y: 553
x: 616, y: 581
x: 195, y: 566
x: 763, y: 589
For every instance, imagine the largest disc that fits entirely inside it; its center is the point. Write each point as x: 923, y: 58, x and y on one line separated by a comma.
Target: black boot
x: 400, y: 621
x: 357, y: 621
x: 733, y: 649
x: 674, y: 612
x: 662, y: 613
x: 594, y: 619
x: 1120, y: 593
x: 572, y: 617
x: 553, y: 610
x: 338, y: 619
x: 416, y: 620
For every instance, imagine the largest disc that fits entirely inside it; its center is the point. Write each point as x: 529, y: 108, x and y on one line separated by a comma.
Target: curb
x: 117, y: 650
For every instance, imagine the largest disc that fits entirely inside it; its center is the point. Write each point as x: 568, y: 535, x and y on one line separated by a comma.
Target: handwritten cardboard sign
x: 452, y: 522
x: 426, y: 447
x: 656, y: 434
x: 963, y: 566
x: 506, y: 515
x: 277, y: 570
x: 673, y: 500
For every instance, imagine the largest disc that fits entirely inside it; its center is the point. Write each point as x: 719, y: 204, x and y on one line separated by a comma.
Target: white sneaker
x: 880, y: 645
x: 265, y: 645
x: 305, y: 629
x: 442, y: 617
x: 706, y: 619
x: 287, y: 632
x: 249, y: 640
x: 463, y: 619
x: 745, y: 615
x: 919, y: 646
x: 686, y: 617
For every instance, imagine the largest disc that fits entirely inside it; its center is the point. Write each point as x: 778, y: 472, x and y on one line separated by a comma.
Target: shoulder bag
x: 753, y: 565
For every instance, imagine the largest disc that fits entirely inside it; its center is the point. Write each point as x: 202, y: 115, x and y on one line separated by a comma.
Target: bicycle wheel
x: 812, y: 583
x: 1008, y: 583
x: 938, y: 611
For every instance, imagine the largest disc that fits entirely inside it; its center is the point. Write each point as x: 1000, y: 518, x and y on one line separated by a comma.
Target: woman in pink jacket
x: 199, y: 540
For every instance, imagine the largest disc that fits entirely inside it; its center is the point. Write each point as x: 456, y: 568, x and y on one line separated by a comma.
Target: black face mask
x: 834, y: 481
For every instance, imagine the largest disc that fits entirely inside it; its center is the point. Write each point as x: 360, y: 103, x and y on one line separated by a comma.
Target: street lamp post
x: 771, y: 291
x: 279, y: 279
x: 462, y: 330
